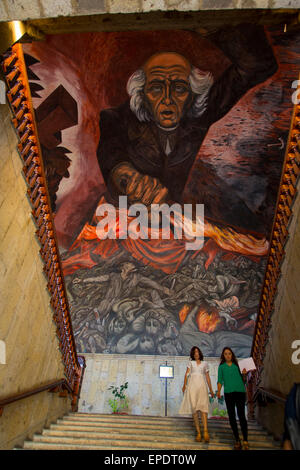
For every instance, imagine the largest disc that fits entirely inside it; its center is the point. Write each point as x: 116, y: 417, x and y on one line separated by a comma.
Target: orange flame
x: 230, y: 240
x: 184, y: 312
x: 207, y: 322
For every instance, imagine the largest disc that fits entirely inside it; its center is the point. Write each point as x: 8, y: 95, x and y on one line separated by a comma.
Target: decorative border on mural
x: 19, y: 98
x: 283, y: 214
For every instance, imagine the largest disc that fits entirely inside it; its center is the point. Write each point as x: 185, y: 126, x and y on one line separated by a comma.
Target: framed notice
x: 166, y: 372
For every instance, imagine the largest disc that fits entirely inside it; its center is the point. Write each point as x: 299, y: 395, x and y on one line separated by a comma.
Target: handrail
x: 19, y: 98
x: 62, y: 383
x: 274, y: 394
x: 283, y: 215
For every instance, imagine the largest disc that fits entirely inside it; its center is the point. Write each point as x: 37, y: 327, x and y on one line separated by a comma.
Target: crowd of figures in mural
x: 122, y: 306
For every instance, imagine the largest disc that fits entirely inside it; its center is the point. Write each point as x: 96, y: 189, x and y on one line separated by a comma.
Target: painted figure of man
x: 121, y: 283
x: 149, y: 144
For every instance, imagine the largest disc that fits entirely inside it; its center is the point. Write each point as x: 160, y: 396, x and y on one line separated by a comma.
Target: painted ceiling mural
x: 173, y: 117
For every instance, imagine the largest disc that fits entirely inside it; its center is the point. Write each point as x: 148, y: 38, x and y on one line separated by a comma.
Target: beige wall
x: 34, y: 9
x: 26, y: 325
x: 146, y: 390
x: 279, y: 371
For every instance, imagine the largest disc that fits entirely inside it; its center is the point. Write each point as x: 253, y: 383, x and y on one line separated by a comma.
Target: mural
x: 164, y: 118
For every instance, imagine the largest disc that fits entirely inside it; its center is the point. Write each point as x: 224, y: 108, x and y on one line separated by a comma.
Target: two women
x: 196, y: 398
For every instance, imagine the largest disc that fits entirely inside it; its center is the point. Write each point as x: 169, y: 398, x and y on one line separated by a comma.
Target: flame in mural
x: 207, y: 322
x: 159, y: 253
x: 231, y: 240
x: 184, y: 312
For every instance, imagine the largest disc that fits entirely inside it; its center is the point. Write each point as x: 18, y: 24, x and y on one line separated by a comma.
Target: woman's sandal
x: 237, y: 445
x: 198, y: 437
x: 245, y: 445
x: 206, y: 436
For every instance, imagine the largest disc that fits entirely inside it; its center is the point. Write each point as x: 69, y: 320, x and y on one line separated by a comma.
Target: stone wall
x: 146, y: 390
x: 26, y: 326
x: 279, y: 371
x: 34, y: 9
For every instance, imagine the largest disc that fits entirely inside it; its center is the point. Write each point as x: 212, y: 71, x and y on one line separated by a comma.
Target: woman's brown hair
x: 234, y: 359
x: 192, y: 353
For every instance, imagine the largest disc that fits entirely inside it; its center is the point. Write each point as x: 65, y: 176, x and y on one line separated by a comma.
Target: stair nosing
x: 141, y: 442
x: 147, y: 429
x: 130, y: 436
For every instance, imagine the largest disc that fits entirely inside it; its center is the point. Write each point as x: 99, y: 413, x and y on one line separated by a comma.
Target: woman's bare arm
x: 185, y: 379
x: 209, y: 383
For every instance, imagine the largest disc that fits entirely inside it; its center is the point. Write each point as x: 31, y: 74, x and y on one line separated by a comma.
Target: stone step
x: 166, y: 419
x: 86, y: 427
x: 141, y: 428
x: 122, y: 419
x: 149, y: 417
x: 166, y: 438
x: 29, y: 445
x: 137, y: 444
x: 159, y: 427
x: 83, y: 431
x: 129, y: 416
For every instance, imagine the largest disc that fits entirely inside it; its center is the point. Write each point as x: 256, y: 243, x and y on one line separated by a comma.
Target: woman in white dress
x: 195, y: 396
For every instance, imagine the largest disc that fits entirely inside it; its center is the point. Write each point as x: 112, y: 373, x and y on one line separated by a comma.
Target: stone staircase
x: 129, y: 432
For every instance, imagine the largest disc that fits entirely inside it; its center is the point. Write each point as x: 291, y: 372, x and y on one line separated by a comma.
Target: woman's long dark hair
x: 234, y: 359
x: 192, y: 353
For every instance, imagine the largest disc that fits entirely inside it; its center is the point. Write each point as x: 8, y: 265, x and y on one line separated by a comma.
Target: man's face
x: 167, y: 88
x: 152, y: 326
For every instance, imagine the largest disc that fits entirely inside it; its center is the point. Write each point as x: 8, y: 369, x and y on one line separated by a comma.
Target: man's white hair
x: 200, y: 83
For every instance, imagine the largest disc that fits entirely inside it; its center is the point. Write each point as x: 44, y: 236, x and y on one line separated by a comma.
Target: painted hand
x: 139, y: 188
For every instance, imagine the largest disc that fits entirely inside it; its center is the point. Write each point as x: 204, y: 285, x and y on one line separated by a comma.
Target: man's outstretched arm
x: 253, y: 62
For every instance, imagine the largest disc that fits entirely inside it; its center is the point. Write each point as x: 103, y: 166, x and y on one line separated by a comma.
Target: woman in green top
x: 230, y: 376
